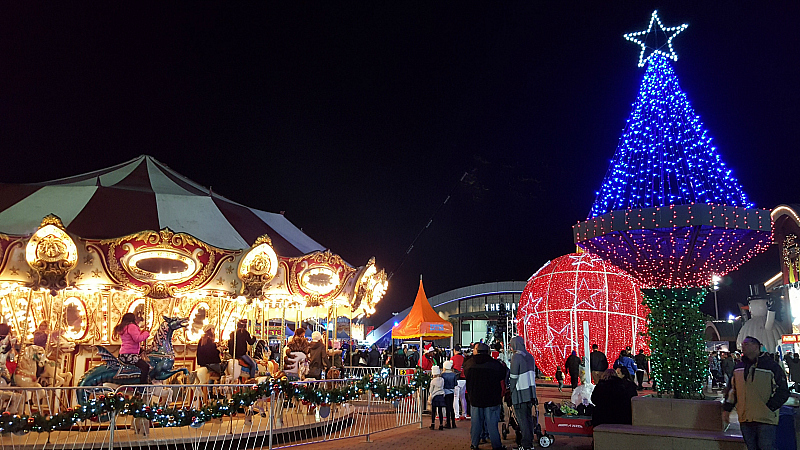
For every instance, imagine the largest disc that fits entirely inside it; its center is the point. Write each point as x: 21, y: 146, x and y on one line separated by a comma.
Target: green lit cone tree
x: 677, y: 350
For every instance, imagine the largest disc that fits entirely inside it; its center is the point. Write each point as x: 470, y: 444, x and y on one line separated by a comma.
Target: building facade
x: 474, y: 311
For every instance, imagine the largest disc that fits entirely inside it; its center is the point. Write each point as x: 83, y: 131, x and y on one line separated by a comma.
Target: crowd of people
x: 302, y: 358
x: 473, y: 385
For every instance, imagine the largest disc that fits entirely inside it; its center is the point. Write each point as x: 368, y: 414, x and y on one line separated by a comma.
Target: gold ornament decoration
x: 161, y: 264
x: 51, y: 254
x: 258, y: 266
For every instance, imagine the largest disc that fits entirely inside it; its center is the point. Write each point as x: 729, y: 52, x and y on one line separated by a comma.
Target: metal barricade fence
x: 273, y: 421
x: 50, y: 401
x: 360, y: 371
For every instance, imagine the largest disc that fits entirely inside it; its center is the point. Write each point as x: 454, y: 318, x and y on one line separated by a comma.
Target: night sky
x: 359, y: 119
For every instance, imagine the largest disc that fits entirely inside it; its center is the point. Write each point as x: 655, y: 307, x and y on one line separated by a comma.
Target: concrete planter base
x: 666, y: 423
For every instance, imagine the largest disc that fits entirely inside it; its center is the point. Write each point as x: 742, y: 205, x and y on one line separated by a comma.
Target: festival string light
x: 573, y: 288
x: 678, y: 363
x: 99, y: 408
x: 665, y: 156
x: 671, y: 214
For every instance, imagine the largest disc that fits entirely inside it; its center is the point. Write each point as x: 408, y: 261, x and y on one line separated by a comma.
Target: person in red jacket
x: 425, y: 361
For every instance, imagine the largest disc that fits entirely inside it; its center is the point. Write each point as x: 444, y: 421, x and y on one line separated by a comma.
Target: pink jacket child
x: 131, y: 338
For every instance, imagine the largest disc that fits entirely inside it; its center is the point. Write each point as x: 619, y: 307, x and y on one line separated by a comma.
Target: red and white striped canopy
x: 144, y: 194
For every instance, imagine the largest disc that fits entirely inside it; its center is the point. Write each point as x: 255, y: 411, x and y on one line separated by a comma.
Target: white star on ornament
x: 641, y: 37
x: 553, y: 334
x: 584, y: 258
x: 584, y: 287
x: 530, y: 309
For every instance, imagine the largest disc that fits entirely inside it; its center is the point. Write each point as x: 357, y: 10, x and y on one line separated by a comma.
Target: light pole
x: 715, y: 280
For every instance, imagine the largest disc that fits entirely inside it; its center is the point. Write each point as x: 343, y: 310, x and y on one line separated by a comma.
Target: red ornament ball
x: 572, y: 289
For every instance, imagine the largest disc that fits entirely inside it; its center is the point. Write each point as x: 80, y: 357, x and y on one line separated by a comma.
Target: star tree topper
x: 642, y: 38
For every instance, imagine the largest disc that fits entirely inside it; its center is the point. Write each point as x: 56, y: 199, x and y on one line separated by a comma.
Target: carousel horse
x: 52, y: 376
x: 161, y: 357
x: 295, y: 364
x: 9, y: 401
x: 30, y: 360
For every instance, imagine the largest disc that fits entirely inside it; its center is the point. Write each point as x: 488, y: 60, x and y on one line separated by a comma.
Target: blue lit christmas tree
x: 665, y: 156
x: 669, y: 212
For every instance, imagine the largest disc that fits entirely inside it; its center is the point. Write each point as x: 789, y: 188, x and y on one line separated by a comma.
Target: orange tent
x: 422, y: 321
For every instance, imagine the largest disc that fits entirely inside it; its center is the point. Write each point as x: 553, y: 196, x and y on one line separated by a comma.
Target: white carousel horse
x: 9, y: 401
x: 234, y: 370
x: 31, y: 358
x: 296, y: 363
x: 52, y: 376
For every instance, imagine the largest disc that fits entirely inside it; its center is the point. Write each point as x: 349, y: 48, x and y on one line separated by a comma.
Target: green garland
x: 101, y: 407
x: 675, y: 323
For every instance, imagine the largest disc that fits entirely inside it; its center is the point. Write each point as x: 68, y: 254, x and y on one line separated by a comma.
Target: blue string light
x: 665, y: 156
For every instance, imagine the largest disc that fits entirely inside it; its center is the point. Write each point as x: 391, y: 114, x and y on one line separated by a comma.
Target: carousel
x: 139, y: 238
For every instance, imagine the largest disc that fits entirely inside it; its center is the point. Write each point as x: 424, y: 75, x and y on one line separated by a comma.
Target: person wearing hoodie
x: 317, y: 356
x: 485, y: 376
x: 522, y: 384
x: 436, y: 397
x: 757, y: 390
x: 572, y: 366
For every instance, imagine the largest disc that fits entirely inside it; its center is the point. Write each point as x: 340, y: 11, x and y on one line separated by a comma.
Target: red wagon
x: 565, y: 426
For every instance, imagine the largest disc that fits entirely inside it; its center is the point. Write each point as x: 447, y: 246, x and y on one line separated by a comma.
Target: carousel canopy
x: 422, y: 321
x: 145, y: 194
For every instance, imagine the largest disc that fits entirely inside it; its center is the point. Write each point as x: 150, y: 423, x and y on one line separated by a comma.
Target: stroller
x: 513, y: 424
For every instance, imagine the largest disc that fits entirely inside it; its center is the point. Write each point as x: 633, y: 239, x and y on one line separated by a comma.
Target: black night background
x: 359, y: 119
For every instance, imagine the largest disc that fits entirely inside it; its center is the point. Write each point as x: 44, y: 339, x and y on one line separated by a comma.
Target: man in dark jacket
x: 727, y: 364
x: 757, y: 390
x: 239, y: 340
x: 412, y: 357
x: 573, y: 365
x: 612, y: 400
x: 400, y: 357
x: 485, y: 376
x: 641, y: 366
x: 374, y: 357
x: 598, y: 363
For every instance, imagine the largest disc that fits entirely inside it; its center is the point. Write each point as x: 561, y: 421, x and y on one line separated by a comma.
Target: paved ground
x: 412, y: 437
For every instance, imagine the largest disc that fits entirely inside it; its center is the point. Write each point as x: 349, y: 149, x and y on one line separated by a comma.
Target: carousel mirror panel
x: 74, y: 319
x: 198, y: 318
